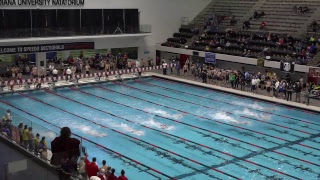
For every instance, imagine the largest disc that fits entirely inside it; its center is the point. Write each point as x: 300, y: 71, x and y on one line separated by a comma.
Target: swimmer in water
x: 163, y: 126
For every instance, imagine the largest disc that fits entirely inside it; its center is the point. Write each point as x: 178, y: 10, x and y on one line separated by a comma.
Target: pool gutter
x: 241, y: 93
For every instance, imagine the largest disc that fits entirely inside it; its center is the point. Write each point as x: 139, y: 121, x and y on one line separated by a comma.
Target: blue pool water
x: 178, y: 131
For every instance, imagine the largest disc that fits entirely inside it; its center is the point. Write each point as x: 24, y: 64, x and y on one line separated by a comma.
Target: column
x: 41, y: 61
x: 66, y: 54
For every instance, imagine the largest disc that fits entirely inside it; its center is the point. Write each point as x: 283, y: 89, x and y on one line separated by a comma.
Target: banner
x: 45, y: 47
x: 314, y: 72
x: 260, y: 62
x: 210, y: 57
x: 287, y: 67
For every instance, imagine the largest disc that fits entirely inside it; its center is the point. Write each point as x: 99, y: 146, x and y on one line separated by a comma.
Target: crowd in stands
x: 271, y: 46
x: 71, y: 66
x: 276, y: 86
x: 26, y: 136
x: 65, y: 153
x: 302, y: 9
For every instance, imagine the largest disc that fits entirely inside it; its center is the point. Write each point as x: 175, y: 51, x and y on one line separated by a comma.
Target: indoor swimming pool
x: 159, y: 129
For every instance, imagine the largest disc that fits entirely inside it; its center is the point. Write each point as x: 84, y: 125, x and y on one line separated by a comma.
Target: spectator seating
x: 281, y: 18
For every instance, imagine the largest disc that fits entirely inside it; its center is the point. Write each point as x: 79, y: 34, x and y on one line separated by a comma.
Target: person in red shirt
x: 92, y: 168
x: 122, y: 177
x: 112, y: 176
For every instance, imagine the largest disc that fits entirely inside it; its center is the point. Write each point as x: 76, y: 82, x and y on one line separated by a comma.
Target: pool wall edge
x: 241, y: 93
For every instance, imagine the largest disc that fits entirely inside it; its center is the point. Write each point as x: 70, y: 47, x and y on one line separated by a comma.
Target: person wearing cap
x: 122, y: 177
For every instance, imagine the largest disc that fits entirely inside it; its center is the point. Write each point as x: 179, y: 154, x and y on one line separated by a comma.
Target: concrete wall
x: 163, y: 15
x: 34, y: 170
x: 237, y: 66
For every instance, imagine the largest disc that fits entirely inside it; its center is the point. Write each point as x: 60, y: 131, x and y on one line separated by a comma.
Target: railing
x: 84, y: 31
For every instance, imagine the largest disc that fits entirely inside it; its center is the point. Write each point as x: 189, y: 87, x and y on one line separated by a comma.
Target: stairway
x: 315, y: 61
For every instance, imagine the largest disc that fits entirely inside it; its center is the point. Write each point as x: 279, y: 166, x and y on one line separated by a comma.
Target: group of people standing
x: 243, y: 80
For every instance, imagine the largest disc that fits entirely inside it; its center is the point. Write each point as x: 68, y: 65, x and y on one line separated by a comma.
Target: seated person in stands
x: 255, y: 14
x: 244, y: 52
x: 263, y: 25
x: 262, y: 14
x: 312, y: 48
x: 300, y: 10
x: 248, y: 53
x: 312, y: 39
x: 295, y: 9
x: 246, y: 25
x: 305, y: 9
x: 228, y: 44
x: 280, y: 43
x: 314, y: 25
x: 233, y: 20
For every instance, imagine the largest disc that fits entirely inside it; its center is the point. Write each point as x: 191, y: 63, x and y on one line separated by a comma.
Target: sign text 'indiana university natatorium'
x: 41, y: 2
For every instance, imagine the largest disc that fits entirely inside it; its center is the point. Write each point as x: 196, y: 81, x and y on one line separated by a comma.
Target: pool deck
x: 241, y: 93
x: 64, y: 83
x: 313, y: 106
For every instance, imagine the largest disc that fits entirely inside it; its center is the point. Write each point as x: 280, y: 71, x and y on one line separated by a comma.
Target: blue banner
x: 210, y: 57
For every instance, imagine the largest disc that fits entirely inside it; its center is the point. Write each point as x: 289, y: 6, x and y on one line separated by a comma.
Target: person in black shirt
x: 298, y: 92
x: 204, y: 75
x: 289, y: 90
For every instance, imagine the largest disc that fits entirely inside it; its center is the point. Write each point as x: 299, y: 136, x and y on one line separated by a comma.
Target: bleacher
x: 281, y: 18
x: 238, y: 8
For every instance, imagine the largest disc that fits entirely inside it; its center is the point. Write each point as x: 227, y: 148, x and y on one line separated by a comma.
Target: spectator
x: 298, y: 47
x: 36, y: 142
x: 164, y: 67
x: 263, y: 25
x: 25, y: 136
x: 65, y: 149
x: 6, y: 131
x: 44, y: 153
x: 104, y: 166
x: 295, y: 9
x: 42, y: 143
x: 9, y: 117
x: 255, y: 14
x: 122, y: 177
x: 21, y: 132
x: 92, y: 168
x: 312, y: 48
x: 312, y: 39
x: 289, y: 91
x: 246, y: 25
x: 82, y: 168
x: 102, y: 175
x: 262, y: 13
x: 298, y: 89
x: 228, y: 44
x: 111, y: 175
x: 233, y: 20
x: 30, y: 139
x: 314, y: 25
x: 108, y: 171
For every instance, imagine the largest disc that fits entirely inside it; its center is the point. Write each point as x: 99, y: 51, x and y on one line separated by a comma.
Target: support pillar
x: 41, y: 61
